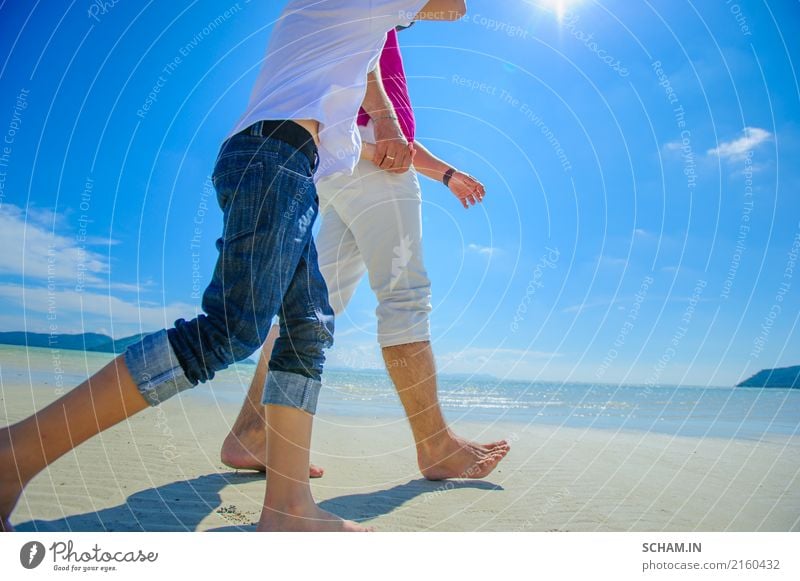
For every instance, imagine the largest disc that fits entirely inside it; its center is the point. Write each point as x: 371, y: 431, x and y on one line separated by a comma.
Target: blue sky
x: 642, y: 217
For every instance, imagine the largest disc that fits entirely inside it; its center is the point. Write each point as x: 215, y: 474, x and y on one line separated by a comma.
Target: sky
x: 642, y: 218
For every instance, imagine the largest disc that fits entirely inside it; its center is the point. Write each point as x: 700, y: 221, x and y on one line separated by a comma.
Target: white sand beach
x: 161, y: 471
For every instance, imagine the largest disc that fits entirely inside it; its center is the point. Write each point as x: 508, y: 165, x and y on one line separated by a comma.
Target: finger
x: 392, y: 153
x: 397, y: 164
x: 404, y: 161
x: 401, y: 159
x: 380, y: 153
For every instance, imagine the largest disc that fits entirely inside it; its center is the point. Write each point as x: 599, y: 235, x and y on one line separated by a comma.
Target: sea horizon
x: 678, y: 410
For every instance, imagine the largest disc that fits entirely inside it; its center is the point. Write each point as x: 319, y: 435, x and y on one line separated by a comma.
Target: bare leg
x: 245, y: 447
x: 440, y: 453
x: 27, y: 448
x: 288, y: 503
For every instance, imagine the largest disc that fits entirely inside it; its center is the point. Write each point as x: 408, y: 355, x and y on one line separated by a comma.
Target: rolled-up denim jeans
x: 267, y: 266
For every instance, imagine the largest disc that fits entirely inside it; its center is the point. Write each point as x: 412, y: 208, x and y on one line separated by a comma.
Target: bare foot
x: 455, y: 457
x: 249, y: 452
x: 306, y: 519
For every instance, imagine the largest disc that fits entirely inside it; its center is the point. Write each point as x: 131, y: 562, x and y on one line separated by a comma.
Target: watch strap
x: 447, y: 175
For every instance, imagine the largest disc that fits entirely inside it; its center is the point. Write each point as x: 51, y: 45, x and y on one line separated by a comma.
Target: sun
x: 559, y: 7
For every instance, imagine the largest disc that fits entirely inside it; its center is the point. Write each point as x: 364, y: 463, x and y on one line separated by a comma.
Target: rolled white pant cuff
x: 395, y: 340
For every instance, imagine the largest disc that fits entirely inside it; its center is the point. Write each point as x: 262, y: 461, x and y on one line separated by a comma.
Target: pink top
x: 394, y: 82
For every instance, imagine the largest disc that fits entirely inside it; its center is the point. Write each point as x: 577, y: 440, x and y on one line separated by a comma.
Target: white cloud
x: 37, y: 252
x: 737, y: 149
x: 588, y: 305
x: 607, y: 261
x: 33, y: 249
x: 76, y: 312
x: 483, y: 250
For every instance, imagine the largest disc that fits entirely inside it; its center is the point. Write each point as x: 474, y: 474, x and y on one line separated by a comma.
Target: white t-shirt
x: 316, y: 67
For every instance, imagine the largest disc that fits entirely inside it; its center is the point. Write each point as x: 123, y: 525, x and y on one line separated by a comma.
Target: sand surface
x: 161, y: 471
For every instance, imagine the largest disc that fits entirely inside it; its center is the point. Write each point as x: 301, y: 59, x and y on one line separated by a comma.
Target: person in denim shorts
x: 372, y: 225
x: 300, y: 125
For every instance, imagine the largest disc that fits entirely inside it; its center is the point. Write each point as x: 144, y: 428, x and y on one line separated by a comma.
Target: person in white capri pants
x: 372, y: 224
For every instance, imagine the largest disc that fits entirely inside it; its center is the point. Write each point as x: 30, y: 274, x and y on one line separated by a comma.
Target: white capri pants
x: 372, y: 222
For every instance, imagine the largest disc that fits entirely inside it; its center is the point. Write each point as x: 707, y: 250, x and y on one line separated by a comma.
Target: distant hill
x: 81, y: 342
x: 781, y: 377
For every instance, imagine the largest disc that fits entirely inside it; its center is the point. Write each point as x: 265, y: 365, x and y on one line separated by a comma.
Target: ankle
x: 435, y: 442
x: 294, y: 503
x: 288, y: 509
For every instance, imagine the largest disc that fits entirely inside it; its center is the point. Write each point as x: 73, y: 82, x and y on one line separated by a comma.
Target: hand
x: 393, y: 153
x: 467, y: 189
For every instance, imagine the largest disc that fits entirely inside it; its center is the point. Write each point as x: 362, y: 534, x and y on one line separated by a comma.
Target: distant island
x: 786, y: 377
x: 96, y: 342
x: 78, y: 342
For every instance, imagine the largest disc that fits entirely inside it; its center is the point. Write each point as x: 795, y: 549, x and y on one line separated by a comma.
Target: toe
x: 493, y: 446
x: 315, y: 471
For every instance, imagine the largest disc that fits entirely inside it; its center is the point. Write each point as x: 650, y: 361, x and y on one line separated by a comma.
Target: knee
x: 404, y: 316
x: 317, y: 330
x: 301, y: 346
x: 397, y: 301
x: 244, y: 341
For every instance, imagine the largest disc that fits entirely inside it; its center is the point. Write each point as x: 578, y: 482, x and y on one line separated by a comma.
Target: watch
x: 447, y: 175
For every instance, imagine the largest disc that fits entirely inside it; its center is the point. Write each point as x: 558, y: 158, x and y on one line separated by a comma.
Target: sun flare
x: 560, y: 7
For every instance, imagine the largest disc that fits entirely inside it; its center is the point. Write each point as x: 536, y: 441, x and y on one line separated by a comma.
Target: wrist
x: 388, y: 134
x: 448, y: 175
x: 383, y: 117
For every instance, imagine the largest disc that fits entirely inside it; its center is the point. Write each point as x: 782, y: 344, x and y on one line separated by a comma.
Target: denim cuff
x: 155, y: 369
x: 291, y: 390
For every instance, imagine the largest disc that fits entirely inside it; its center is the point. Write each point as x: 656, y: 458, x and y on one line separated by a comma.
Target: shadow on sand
x: 178, y: 506
x: 182, y: 505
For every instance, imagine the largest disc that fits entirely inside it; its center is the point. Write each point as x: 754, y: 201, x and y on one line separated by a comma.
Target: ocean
x: 720, y: 412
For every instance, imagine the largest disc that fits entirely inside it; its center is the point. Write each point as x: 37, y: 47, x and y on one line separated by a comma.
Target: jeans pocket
x: 240, y: 191
x: 299, y: 171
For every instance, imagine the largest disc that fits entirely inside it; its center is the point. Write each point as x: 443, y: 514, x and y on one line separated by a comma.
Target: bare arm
x: 392, y: 151
x: 466, y: 188
x: 428, y: 164
x: 443, y: 10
